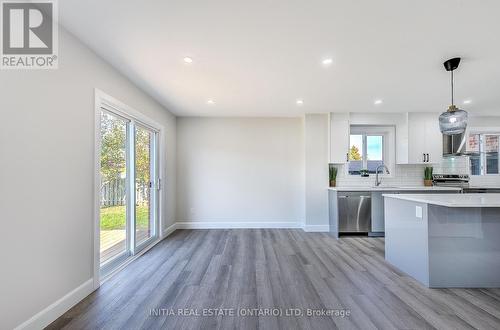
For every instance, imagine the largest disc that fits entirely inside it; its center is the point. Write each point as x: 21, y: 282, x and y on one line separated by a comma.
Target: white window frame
x: 108, y: 103
x: 482, y: 132
x: 388, y: 133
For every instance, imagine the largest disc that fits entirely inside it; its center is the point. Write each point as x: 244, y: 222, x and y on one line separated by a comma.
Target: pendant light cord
x: 452, y: 100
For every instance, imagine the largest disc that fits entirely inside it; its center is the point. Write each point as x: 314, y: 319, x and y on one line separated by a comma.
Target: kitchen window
x: 483, y: 149
x: 368, y: 148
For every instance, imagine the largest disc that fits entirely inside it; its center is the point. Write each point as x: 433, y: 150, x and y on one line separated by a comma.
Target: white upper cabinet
x: 425, y: 142
x: 418, y: 139
x: 339, y: 138
x: 435, y: 139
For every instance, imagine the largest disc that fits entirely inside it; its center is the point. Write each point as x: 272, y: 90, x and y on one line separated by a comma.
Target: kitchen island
x: 445, y: 240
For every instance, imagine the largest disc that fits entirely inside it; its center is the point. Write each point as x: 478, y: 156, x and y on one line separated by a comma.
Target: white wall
x: 47, y: 175
x: 316, y: 151
x: 246, y: 171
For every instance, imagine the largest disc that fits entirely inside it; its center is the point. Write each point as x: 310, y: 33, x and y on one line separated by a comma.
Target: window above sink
x: 369, y: 147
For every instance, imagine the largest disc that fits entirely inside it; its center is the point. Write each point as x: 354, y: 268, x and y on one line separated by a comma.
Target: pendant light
x: 453, y: 121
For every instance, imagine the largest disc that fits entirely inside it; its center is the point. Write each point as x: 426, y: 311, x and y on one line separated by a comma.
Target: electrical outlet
x: 418, y: 212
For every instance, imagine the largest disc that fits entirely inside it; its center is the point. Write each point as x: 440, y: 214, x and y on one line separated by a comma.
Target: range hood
x: 454, y: 145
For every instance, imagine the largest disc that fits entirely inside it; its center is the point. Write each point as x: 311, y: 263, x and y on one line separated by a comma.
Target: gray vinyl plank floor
x: 271, y: 279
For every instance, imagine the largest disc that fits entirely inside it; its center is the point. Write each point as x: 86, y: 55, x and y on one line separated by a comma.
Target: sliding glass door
x: 114, y: 159
x: 145, y: 179
x: 129, y: 188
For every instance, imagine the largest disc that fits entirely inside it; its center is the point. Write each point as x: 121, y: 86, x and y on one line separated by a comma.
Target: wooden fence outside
x: 113, y: 193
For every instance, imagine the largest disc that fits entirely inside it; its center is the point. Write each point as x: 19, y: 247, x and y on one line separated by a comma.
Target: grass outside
x: 113, y: 217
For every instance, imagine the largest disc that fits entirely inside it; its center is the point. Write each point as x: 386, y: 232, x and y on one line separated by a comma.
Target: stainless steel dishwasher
x: 354, y: 212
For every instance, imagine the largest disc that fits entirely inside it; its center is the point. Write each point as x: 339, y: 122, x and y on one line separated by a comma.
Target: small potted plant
x: 364, y: 173
x: 428, y: 176
x: 333, y: 176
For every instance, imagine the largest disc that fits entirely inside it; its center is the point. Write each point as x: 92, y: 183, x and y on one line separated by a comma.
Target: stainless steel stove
x: 451, y: 180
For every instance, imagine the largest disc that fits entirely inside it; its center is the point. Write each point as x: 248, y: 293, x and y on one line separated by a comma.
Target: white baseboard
x: 316, y: 228
x: 234, y: 225
x: 58, y: 308
x: 248, y: 225
x: 61, y: 306
x: 169, y: 230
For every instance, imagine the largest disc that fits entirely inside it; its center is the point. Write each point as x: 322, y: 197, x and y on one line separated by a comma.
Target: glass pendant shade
x: 453, y: 121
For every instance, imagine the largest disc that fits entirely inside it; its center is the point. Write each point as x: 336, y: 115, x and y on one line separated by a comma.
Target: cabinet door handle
x: 424, y: 157
x: 347, y: 157
x: 427, y: 157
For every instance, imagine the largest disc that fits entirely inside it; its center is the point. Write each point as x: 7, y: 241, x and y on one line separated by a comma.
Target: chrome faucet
x: 377, y: 181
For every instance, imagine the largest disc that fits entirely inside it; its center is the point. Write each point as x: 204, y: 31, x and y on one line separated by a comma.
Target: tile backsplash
x: 453, y: 165
x: 413, y: 175
x: 404, y: 175
x: 485, y: 181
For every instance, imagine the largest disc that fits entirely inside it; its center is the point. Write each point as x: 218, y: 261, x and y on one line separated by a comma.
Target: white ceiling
x: 256, y: 57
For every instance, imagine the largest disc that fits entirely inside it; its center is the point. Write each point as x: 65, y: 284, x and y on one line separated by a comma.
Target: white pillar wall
x: 316, y: 167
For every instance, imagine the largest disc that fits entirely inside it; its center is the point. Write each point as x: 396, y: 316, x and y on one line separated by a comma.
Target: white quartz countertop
x: 395, y: 188
x: 451, y: 200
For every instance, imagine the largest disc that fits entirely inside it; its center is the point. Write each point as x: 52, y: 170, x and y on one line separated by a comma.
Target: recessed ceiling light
x: 210, y: 101
x: 300, y: 102
x: 327, y: 61
x: 188, y: 60
x: 377, y: 102
x: 467, y: 101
